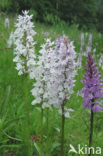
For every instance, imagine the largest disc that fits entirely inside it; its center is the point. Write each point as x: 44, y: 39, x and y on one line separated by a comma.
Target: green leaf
x: 5, y: 100
x: 10, y: 146
x: 37, y: 147
x: 56, y: 144
x: 58, y: 129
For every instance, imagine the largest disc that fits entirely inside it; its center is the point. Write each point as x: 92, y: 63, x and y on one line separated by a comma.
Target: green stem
x: 62, y: 131
x: 47, y: 121
x: 91, y: 131
x: 41, y: 131
x: 47, y: 130
x: 27, y: 119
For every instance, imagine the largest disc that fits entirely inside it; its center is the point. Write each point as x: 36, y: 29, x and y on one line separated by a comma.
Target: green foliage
x: 4, y: 5
x: 80, y: 12
x: 34, y: 13
x: 51, y: 19
x: 86, y: 13
x: 12, y: 99
x: 5, y: 100
x: 100, y: 16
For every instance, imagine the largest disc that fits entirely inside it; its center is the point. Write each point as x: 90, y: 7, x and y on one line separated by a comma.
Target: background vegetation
x: 52, y: 17
x: 12, y: 101
x: 86, y: 14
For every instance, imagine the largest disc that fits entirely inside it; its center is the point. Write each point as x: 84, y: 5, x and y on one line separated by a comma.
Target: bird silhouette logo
x: 72, y: 149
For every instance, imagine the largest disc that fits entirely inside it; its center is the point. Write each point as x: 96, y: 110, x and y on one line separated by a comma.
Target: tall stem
x: 47, y: 129
x: 91, y: 131
x: 47, y: 121
x: 62, y: 131
x: 41, y: 131
x: 27, y: 119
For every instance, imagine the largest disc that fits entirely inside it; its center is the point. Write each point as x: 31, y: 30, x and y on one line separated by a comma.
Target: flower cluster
x: 63, y: 71
x: 92, y: 90
x: 24, y: 44
x: 82, y: 42
x: 100, y: 62
x: 42, y: 75
x: 54, y: 73
x: 11, y: 40
x: 89, y: 45
x: 6, y: 23
x: 85, y: 48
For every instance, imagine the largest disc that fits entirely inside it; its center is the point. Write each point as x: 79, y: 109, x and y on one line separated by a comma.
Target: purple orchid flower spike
x: 92, y: 90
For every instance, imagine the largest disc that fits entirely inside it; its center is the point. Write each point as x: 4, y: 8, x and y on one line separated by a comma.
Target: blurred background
x: 86, y: 14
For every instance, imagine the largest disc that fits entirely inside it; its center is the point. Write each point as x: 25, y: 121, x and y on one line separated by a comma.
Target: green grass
x: 12, y: 102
